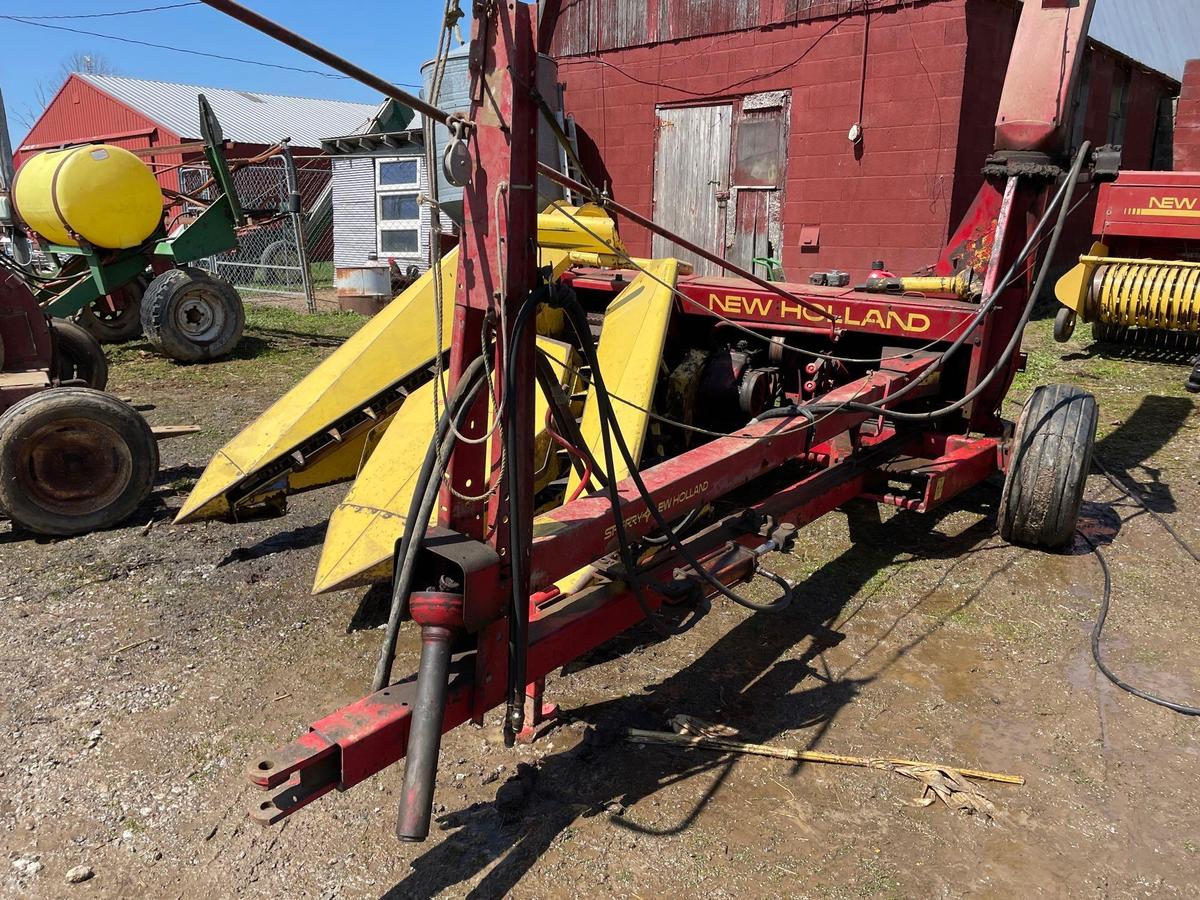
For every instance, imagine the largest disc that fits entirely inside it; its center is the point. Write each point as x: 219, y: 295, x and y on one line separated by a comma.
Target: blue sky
x: 389, y: 37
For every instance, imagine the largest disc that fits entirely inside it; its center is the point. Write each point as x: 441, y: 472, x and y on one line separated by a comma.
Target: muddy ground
x: 144, y: 666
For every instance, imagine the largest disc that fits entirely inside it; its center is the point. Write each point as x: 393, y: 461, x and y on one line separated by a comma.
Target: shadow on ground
x: 1126, y: 452
x: 747, y: 679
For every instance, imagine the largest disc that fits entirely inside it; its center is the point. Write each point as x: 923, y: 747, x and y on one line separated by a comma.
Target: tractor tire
x: 1052, y: 455
x: 115, y: 326
x: 78, y: 357
x: 74, y: 460
x: 192, y: 316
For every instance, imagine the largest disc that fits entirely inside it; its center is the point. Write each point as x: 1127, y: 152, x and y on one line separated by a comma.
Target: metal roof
x: 246, y: 118
x: 1160, y: 34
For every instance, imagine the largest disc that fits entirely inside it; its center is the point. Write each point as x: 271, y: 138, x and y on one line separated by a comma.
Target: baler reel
x: 1143, y: 303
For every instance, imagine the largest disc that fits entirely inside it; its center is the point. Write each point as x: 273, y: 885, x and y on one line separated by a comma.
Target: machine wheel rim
x: 74, y: 467
x: 126, y: 300
x: 200, y: 315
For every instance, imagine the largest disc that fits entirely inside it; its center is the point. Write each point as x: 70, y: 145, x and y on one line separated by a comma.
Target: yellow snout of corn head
x: 366, y: 414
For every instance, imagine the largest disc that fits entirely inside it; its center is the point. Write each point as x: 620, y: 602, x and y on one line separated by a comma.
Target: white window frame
x: 413, y: 190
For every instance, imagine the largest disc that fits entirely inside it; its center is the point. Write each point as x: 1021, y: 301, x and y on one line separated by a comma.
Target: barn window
x: 760, y: 141
x: 397, y: 211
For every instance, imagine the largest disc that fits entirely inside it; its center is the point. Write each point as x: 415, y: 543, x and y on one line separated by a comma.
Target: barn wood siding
x: 592, y: 26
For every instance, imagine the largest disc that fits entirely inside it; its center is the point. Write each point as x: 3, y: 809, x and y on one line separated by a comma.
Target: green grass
x: 321, y: 324
x: 279, y: 347
x: 321, y: 274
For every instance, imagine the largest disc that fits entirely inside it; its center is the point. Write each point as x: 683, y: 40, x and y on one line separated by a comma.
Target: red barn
x: 822, y: 133
x: 139, y: 115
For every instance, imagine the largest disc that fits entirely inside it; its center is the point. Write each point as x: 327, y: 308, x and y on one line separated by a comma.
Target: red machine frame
x: 835, y: 459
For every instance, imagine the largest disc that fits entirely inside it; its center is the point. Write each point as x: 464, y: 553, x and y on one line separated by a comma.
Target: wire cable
x: 22, y: 20
x: 1098, y: 633
x: 121, y: 12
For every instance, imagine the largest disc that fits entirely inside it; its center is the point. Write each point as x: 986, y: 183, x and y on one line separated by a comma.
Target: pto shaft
x: 440, y: 618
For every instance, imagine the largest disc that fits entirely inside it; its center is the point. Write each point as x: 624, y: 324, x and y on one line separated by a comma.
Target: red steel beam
x: 572, y: 536
x: 364, y: 738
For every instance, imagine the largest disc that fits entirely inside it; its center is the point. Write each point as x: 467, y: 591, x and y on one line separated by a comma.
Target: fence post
x: 295, y: 208
x: 21, y: 248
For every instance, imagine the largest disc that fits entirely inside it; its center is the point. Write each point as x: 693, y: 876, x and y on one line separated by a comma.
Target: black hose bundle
x: 425, y: 494
x: 611, y: 430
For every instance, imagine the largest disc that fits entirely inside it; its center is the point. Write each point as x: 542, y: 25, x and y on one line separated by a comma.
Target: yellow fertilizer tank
x: 99, y: 193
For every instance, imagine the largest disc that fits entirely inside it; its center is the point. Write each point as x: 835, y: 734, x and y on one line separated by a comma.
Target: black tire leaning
x: 175, y: 297
x: 74, y: 460
x: 1051, y: 459
x: 123, y: 324
x: 77, y: 356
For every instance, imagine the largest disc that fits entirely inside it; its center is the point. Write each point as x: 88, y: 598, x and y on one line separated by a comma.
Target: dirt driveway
x: 143, y: 667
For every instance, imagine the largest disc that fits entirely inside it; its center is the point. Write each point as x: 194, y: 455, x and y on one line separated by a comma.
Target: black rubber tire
x: 1064, y: 324
x: 1052, y: 456
x: 123, y: 324
x: 192, y: 316
x: 74, y: 460
x: 78, y: 357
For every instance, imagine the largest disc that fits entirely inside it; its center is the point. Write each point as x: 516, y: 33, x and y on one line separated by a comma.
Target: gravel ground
x: 145, y: 666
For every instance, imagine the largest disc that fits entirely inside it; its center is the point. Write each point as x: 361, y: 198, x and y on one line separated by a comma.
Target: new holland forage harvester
x: 545, y: 513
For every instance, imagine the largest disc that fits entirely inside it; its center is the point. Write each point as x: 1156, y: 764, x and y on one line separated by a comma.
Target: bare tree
x: 44, y: 89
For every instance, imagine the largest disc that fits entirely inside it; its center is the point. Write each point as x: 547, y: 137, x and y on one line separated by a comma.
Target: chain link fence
x: 269, y: 259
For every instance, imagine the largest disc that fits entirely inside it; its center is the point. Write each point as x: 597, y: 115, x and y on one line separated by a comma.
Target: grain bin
x: 100, y: 194
x: 455, y: 96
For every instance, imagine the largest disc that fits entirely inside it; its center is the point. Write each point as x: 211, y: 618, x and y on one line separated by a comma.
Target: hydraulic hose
x: 610, y: 425
x: 518, y: 516
x: 420, y: 508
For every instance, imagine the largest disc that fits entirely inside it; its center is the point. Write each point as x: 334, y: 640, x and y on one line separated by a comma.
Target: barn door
x: 759, y: 164
x: 691, y: 180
